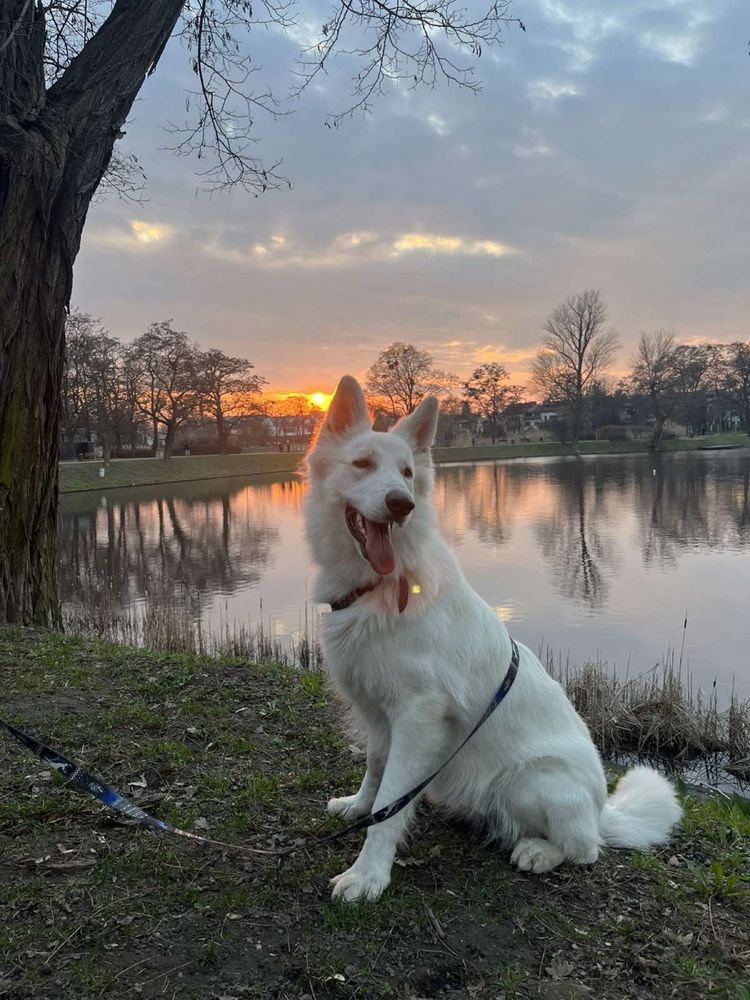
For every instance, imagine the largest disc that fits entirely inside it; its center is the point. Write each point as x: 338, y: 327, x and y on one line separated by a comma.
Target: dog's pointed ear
x: 348, y: 409
x: 418, y: 429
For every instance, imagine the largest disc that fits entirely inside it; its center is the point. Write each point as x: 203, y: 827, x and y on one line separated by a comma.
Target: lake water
x: 601, y: 557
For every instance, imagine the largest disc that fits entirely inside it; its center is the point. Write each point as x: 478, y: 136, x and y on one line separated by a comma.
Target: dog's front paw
x: 349, y: 806
x: 534, y: 854
x: 360, y: 882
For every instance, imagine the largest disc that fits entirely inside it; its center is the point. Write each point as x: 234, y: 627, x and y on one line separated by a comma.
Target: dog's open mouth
x: 374, y: 540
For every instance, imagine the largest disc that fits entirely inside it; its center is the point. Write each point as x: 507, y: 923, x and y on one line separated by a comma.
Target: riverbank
x: 659, y: 713
x: 81, y: 476
x: 90, y: 907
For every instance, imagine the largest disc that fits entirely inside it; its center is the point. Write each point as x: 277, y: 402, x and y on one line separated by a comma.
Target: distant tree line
x: 118, y: 394
x: 702, y: 387
x: 163, y: 385
x: 694, y: 385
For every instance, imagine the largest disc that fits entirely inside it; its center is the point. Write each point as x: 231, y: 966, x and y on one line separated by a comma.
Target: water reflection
x: 572, y: 539
x: 581, y: 509
x: 190, y: 541
x: 602, y: 555
x: 691, y: 504
x: 481, y: 498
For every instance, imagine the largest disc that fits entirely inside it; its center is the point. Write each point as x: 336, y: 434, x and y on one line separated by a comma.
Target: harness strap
x: 386, y: 812
x: 86, y: 783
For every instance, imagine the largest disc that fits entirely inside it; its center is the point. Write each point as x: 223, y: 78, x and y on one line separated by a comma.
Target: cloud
x: 579, y: 30
x: 275, y: 242
x: 715, y: 113
x: 679, y: 35
x: 356, y: 239
x: 150, y: 232
x: 437, y: 244
x: 532, y: 145
x: 673, y: 30
x: 511, y: 356
x: 681, y: 49
x: 549, y: 91
x: 352, y: 248
x: 438, y: 124
x: 141, y: 236
x: 466, y: 353
x: 588, y: 24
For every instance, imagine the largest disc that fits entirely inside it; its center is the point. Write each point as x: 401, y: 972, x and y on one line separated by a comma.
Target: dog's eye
x: 408, y: 473
x: 362, y: 463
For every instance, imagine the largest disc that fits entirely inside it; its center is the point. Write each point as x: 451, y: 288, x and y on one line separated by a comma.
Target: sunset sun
x: 320, y: 399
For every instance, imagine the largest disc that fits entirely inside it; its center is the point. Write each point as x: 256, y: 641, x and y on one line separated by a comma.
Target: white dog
x: 419, y: 655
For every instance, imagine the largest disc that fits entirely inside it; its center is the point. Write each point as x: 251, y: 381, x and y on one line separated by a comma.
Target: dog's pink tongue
x: 378, y: 548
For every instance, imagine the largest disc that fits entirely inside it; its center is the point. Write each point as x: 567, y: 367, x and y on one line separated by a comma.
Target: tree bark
x: 578, y: 405
x: 222, y: 432
x: 36, y: 256
x: 169, y: 440
x: 659, y: 421
x: 34, y: 277
x: 106, y: 446
x: 54, y: 148
x: 658, y: 434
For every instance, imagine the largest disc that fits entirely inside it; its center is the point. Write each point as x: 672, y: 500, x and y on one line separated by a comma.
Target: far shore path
x: 80, y: 476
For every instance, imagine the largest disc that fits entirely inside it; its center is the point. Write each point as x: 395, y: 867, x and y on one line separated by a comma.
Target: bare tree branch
x: 398, y: 43
x: 575, y: 354
x: 654, y: 371
x: 403, y: 375
x: 125, y: 178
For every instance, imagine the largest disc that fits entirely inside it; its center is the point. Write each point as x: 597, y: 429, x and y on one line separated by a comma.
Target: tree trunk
x: 55, y: 145
x: 169, y: 440
x: 659, y: 421
x: 745, y: 411
x: 658, y: 434
x: 106, y: 446
x: 578, y: 404
x: 576, y: 431
x: 36, y: 259
x: 221, y: 433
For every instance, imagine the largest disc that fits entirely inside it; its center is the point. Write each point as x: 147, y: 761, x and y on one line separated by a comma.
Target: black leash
x: 87, y: 784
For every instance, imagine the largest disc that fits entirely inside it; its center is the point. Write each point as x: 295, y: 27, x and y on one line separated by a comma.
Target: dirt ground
x: 93, y: 907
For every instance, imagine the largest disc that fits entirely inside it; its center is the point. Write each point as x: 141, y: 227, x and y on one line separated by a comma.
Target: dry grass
x: 172, y: 628
x: 657, y: 714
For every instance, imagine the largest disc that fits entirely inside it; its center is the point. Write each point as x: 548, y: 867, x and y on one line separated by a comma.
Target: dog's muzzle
x: 374, y: 537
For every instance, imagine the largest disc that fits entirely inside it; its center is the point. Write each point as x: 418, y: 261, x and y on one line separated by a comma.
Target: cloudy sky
x: 609, y: 147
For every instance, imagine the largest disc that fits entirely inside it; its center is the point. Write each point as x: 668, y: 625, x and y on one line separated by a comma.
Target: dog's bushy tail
x: 641, y: 811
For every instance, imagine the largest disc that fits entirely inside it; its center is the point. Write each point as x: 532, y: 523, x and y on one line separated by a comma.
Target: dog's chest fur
x: 370, y: 653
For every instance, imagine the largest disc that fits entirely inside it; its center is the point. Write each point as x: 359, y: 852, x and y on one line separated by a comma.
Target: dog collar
x: 348, y: 599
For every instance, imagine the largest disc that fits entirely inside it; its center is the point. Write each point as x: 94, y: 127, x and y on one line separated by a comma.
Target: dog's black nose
x: 399, y: 504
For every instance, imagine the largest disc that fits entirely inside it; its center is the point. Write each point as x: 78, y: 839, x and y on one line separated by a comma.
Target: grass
x: 544, y: 449
x: 92, y: 907
x: 80, y: 476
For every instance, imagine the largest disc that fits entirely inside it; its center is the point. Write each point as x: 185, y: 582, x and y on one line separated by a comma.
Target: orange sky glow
x: 317, y: 397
